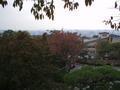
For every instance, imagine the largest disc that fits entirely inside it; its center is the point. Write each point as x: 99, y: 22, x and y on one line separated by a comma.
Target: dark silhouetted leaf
x: 116, y: 5
x: 111, y: 17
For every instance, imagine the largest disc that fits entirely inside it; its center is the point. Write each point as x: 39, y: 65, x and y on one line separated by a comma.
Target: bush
x: 93, y: 77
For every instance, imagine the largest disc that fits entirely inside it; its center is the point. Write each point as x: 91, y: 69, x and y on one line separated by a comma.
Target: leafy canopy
x: 42, y: 8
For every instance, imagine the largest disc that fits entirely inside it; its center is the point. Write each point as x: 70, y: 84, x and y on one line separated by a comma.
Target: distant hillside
x: 88, y: 33
x: 115, y: 36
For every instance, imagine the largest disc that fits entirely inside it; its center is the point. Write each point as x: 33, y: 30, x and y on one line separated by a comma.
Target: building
x: 103, y: 34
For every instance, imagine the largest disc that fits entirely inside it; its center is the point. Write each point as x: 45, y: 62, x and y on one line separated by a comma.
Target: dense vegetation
x: 34, y: 62
x: 109, y: 50
x: 43, y: 62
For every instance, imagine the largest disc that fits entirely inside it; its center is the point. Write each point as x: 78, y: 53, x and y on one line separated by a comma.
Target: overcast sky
x: 82, y: 18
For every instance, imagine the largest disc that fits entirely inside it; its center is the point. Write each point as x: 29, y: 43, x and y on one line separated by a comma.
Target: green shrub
x: 94, y: 77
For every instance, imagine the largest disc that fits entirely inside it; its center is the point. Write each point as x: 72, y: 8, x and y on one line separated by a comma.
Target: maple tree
x: 65, y: 44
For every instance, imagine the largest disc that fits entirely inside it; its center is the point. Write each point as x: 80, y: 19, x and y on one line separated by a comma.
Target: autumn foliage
x: 35, y: 62
x: 65, y: 43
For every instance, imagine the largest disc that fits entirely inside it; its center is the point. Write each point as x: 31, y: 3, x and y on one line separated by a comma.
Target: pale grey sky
x: 82, y: 18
